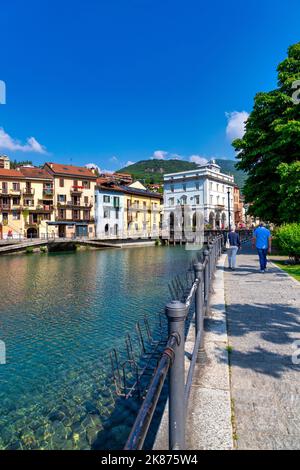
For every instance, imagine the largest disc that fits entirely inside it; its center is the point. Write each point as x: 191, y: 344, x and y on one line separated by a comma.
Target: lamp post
x: 228, y: 194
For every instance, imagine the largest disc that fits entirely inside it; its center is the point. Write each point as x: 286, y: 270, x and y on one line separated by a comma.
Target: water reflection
x: 59, y: 315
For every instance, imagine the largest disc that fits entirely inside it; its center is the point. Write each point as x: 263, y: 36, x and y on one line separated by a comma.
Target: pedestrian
x: 234, y: 245
x: 262, y: 240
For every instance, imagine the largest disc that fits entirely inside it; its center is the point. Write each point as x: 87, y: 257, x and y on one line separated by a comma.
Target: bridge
x: 56, y: 244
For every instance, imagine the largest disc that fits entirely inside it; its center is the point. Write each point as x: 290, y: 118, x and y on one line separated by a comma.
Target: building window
x: 61, y: 182
x: 217, y: 187
x: 16, y: 186
x: 184, y: 187
x: 16, y: 215
x: 197, y: 200
x: 197, y: 186
x: 106, y: 199
x: 61, y: 213
x: 171, y: 201
x: 117, y: 213
x: 16, y: 201
x: 106, y: 213
x: 61, y: 198
x: 172, y: 188
x: 86, y: 184
x: 210, y: 185
x: 116, y: 201
x: 211, y: 199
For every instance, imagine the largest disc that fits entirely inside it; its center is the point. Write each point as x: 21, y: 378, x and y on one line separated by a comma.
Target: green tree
x: 272, y: 137
x: 289, y: 191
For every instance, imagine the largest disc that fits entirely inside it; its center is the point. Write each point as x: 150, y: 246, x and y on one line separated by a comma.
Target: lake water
x: 60, y: 314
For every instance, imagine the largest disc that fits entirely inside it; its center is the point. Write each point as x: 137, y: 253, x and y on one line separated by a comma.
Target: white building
x: 204, y: 189
x: 109, y: 212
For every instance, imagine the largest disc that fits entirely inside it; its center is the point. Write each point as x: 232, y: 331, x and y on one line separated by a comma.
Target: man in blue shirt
x: 262, y: 240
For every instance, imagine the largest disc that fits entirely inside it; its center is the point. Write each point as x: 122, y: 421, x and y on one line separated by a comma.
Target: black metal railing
x: 172, y: 360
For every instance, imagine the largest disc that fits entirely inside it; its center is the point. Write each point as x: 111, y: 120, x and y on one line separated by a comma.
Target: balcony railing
x: 48, y: 191
x: 28, y: 191
x: 77, y: 189
x: 5, y: 207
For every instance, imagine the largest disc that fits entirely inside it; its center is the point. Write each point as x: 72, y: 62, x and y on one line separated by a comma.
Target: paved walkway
x: 263, y: 312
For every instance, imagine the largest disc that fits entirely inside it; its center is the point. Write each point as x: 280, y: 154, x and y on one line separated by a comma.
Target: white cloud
x: 8, y: 143
x: 160, y: 154
x: 93, y: 166
x: 129, y: 163
x: 236, y: 124
x: 198, y: 159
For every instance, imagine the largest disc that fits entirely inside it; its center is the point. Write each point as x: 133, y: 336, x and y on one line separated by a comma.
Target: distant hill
x: 152, y: 171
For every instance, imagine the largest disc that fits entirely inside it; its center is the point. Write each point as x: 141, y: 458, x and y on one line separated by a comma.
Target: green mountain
x: 152, y: 171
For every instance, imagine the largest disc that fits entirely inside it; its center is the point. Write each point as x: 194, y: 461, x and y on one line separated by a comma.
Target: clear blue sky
x: 111, y: 81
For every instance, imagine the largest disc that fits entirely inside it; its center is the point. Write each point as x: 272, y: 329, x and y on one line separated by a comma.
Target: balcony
x: 48, y: 191
x: 28, y: 191
x: 5, y: 207
x: 3, y: 190
x: 77, y: 189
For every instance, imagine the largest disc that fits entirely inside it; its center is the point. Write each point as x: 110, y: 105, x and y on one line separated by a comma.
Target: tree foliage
x: 272, y: 137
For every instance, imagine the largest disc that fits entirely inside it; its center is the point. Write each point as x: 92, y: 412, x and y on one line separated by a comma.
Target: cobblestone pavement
x: 263, y: 311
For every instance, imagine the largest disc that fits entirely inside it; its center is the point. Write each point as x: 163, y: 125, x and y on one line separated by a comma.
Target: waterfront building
x: 26, y: 202
x: 239, y: 218
x: 109, y: 210
x: 74, y: 190
x: 12, y: 185
x: 37, y: 201
x: 204, y: 189
x: 142, y: 212
x: 126, y: 211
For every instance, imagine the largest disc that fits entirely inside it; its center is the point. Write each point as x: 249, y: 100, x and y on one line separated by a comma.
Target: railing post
x: 206, y: 278
x: 176, y: 314
x: 199, y: 312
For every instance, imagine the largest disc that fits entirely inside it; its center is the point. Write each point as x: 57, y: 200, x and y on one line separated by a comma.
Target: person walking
x: 262, y: 240
x: 234, y: 245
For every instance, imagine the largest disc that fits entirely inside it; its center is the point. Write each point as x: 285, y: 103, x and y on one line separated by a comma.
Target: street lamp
x: 228, y: 194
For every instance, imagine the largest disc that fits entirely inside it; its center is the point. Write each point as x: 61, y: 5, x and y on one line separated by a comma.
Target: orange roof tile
x: 11, y: 174
x: 35, y: 173
x: 69, y: 170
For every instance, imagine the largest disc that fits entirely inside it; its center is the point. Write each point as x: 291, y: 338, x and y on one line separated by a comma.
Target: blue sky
x: 112, y: 81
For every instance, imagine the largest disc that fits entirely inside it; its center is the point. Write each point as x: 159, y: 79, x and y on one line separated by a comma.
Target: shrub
x: 29, y: 250
x: 43, y: 249
x: 288, y: 240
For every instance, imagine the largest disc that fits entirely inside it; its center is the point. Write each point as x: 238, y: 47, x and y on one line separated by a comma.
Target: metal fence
x: 172, y: 360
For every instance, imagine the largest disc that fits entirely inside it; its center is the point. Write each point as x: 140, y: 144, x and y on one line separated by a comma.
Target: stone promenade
x: 263, y: 316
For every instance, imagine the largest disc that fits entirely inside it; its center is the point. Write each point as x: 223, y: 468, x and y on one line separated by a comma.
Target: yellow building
x: 142, y: 212
x: 74, y: 193
x: 26, y: 202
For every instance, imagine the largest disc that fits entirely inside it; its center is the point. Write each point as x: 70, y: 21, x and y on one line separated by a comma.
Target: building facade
x: 239, y: 213
x: 143, y: 213
x: 26, y: 202
x: 109, y: 211
x: 74, y: 205
x: 205, y: 190
x: 127, y: 212
x: 4, y: 162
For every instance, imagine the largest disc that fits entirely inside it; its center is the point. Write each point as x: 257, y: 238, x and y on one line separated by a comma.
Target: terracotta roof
x: 109, y: 187
x: 11, y: 174
x: 69, y: 170
x: 35, y: 173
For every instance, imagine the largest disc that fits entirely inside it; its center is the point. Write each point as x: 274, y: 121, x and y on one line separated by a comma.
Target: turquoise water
x: 59, y: 316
